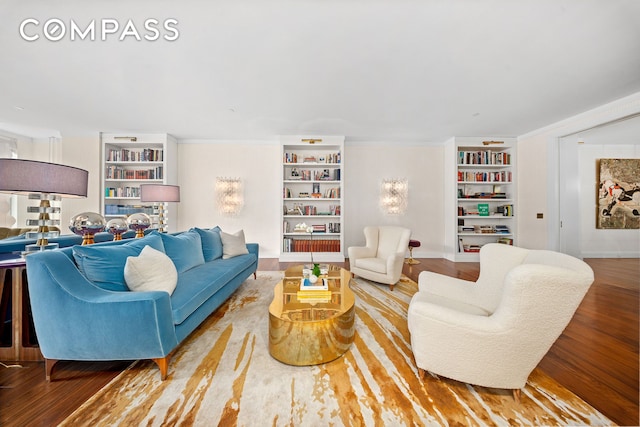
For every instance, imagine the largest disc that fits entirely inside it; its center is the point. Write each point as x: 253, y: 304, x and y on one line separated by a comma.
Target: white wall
x: 258, y: 164
x: 367, y: 164
x: 532, y: 184
x: 539, y: 185
x: 81, y: 152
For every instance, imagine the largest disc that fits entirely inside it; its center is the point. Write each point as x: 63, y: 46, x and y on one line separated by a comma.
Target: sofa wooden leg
x: 255, y: 276
x: 48, y: 367
x: 391, y: 286
x: 163, y: 364
x: 516, y: 394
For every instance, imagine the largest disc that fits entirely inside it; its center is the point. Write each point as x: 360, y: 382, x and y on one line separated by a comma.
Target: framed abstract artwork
x: 618, y: 196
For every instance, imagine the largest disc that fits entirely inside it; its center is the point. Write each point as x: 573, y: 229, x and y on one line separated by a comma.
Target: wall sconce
x: 394, y: 194
x: 160, y: 193
x: 46, y: 182
x: 229, y: 195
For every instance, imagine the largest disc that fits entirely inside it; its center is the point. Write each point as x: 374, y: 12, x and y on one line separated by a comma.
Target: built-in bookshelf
x: 130, y: 160
x: 312, y: 198
x: 480, y: 195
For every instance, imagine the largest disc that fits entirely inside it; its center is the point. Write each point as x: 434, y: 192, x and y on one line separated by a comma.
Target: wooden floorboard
x: 596, y: 357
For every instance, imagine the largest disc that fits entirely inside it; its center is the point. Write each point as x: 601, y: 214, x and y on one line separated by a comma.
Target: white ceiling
x: 380, y: 70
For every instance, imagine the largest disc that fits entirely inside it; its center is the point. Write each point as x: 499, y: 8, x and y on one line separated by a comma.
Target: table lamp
x: 117, y: 227
x: 87, y: 224
x: 139, y: 222
x: 46, y: 182
x: 160, y: 193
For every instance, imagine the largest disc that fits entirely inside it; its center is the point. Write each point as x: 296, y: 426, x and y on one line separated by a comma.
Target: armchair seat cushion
x: 453, y: 304
x: 378, y: 265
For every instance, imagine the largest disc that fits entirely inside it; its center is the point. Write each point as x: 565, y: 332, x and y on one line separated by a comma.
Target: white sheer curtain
x: 8, y: 202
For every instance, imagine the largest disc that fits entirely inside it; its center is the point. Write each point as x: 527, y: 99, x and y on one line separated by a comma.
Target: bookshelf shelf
x: 127, y: 162
x: 312, y: 190
x: 130, y: 180
x: 484, y: 234
x: 480, y: 196
x: 297, y: 181
x: 311, y: 216
x: 133, y: 163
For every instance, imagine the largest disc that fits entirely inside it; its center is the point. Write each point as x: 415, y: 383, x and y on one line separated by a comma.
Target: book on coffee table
x: 320, y: 285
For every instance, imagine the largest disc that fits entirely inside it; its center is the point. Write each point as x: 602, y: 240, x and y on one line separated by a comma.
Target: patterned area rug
x: 223, y: 375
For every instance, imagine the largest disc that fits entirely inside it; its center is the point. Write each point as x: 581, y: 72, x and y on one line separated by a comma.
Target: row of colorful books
x: 483, y: 158
x: 307, y: 245
x: 136, y: 155
x: 320, y: 158
x: 500, y: 176
x: 115, y: 172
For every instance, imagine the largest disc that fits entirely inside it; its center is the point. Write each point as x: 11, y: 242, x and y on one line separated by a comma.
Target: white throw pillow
x: 152, y: 270
x: 233, y: 244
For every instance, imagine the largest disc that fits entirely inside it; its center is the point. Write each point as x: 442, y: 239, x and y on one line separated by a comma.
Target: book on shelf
x: 332, y: 193
x: 135, y: 155
x: 506, y: 210
x: 505, y: 240
x: 488, y: 177
x: 465, y: 247
x: 501, y: 229
x: 484, y: 157
x: 290, y: 157
x: 483, y: 229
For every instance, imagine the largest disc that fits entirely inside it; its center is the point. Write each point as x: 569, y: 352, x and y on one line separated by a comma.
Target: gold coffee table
x: 311, y: 332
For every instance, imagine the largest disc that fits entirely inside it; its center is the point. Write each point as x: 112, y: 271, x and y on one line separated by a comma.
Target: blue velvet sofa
x: 83, y: 309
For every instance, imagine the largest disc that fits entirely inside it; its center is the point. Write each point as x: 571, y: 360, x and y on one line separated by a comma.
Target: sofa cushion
x: 184, y: 249
x: 233, y: 244
x: 18, y: 237
x: 152, y: 270
x: 103, y: 264
x: 211, y: 243
x: 198, y: 284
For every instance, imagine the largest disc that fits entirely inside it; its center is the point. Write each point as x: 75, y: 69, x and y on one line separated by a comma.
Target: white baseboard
x: 617, y: 254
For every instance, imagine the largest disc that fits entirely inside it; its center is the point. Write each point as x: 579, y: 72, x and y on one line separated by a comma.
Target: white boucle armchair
x: 494, y: 332
x: 382, y: 258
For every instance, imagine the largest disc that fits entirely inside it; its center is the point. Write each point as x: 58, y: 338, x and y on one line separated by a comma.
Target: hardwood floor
x: 596, y: 357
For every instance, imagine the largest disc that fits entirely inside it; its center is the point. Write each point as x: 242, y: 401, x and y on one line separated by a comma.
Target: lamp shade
x: 159, y: 193
x: 19, y: 176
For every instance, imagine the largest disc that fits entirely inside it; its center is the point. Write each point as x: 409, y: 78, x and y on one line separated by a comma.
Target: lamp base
x: 28, y: 249
x: 87, y: 239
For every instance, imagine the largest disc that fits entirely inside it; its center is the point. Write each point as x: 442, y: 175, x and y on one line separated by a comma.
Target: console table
x: 14, y: 294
